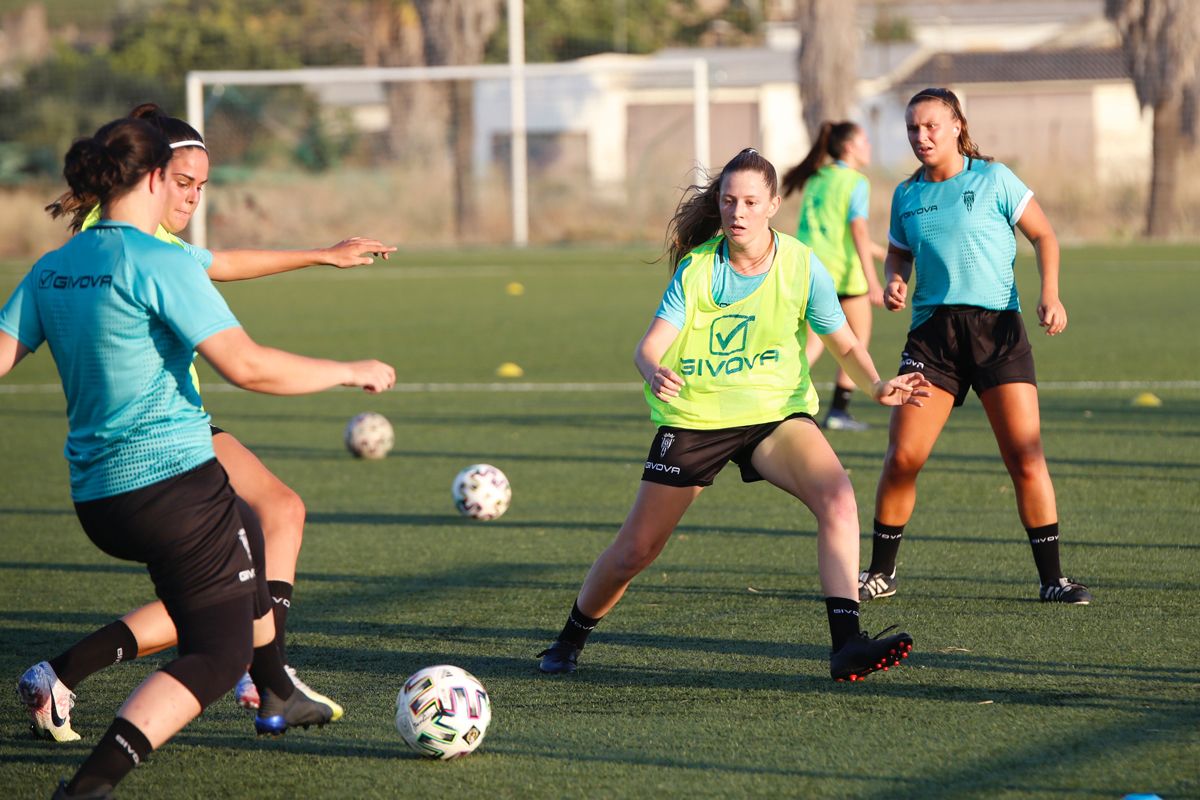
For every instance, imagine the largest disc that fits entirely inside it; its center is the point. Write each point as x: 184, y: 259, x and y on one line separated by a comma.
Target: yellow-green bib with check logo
x: 742, y: 364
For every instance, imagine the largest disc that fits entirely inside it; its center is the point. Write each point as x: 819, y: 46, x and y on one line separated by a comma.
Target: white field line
x: 616, y: 386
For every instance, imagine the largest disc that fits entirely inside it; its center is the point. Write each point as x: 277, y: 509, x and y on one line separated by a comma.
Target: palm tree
x: 1162, y: 45
x: 828, y: 59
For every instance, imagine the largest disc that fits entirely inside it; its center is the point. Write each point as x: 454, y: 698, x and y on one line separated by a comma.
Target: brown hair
x: 966, y: 145
x: 698, y: 216
x: 78, y: 206
x: 830, y: 142
x: 103, y: 167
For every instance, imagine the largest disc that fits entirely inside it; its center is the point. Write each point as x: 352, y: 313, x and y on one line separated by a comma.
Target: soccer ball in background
x: 369, y: 435
x: 443, y: 712
x: 481, y: 491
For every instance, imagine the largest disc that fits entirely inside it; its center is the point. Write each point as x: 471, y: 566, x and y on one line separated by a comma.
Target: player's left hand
x: 356, y: 251
x: 902, y: 390
x: 1052, y: 315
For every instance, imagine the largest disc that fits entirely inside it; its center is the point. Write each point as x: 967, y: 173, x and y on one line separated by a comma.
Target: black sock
x: 885, y: 546
x: 843, y: 620
x: 841, y: 398
x: 121, y: 748
x: 109, y: 645
x: 281, y: 598
x: 578, y: 626
x: 266, y: 670
x: 1044, y: 541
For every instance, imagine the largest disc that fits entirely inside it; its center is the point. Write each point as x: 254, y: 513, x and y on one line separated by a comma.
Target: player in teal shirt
x: 952, y: 221
x: 121, y: 313
x: 280, y: 510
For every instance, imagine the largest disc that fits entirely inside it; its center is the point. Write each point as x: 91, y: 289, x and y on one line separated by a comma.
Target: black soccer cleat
x: 275, y: 716
x: 103, y: 792
x: 874, y: 585
x: 560, y: 658
x: 1065, y: 591
x: 862, y: 655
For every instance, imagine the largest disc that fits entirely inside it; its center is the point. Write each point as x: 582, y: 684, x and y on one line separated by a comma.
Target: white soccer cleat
x: 314, y: 695
x: 48, y: 702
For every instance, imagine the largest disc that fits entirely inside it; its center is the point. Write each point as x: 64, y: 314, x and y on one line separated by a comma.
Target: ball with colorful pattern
x: 443, y: 712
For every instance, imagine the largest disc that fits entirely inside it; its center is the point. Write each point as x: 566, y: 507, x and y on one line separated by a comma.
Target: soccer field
x: 710, y: 679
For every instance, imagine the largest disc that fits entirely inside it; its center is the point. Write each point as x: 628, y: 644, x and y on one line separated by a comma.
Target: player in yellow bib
x: 727, y: 380
x: 833, y: 221
x: 281, y: 512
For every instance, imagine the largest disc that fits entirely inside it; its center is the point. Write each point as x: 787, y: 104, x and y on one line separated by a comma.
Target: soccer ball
x: 369, y: 435
x: 481, y: 491
x: 443, y: 712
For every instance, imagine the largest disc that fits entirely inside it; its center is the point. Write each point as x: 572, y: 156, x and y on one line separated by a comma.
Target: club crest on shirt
x: 968, y: 199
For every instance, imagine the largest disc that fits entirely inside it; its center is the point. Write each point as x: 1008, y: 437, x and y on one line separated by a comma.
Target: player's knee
x: 1025, y: 463
x: 630, y: 559
x: 283, y: 514
x: 902, y: 462
x: 209, y: 673
x: 838, y: 508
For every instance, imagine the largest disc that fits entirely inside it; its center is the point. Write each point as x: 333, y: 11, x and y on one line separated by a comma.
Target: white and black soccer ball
x: 481, y: 491
x: 369, y: 435
x: 443, y: 712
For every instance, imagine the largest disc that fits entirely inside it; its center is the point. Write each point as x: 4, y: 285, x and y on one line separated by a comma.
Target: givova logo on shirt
x: 52, y: 280
x: 727, y: 336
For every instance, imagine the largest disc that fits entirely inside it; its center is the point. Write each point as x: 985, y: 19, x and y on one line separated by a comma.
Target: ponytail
x: 830, y: 142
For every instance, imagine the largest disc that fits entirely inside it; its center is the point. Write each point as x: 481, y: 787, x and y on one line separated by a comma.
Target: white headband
x: 189, y: 143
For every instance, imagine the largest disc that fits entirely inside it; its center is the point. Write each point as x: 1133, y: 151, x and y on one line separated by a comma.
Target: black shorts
x: 214, y: 430
x: 188, y: 532
x: 685, y: 457
x: 966, y: 347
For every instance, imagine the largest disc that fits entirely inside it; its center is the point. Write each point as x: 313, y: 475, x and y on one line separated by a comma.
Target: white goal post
x: 516, y: 75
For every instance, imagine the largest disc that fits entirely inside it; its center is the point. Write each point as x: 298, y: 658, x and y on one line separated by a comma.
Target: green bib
x: 824, y: 228
x: 742, y: 364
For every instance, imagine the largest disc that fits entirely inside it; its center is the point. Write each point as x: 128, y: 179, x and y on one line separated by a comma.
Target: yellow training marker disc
x: 1147, y: 400
x: 515, y: 289
x: 509, y: 370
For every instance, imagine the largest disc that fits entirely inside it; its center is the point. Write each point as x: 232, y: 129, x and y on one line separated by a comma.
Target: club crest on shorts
x: 665, y: 443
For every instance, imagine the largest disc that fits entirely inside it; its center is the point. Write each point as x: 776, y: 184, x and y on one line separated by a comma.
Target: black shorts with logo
x: 685, y: 457
x: 188, y: 531
x: 967, y: 347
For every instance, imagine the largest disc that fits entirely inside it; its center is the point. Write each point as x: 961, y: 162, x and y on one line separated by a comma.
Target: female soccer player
x: 953, y: 220
x: 123, y: 313
x: 149, y: 629
x: 833, y: 222
x: 726, y: 380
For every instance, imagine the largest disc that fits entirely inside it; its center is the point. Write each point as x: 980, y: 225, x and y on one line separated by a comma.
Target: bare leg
x: 1012, y: 410
x: 858, y: 316
x: 911, y: 436
x: 280, y: 510
x: 798, y: 459
x: 160, y: 707
x: 655, y: 513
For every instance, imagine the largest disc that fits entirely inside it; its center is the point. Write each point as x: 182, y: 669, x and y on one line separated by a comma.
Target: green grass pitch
x: 710, y: 679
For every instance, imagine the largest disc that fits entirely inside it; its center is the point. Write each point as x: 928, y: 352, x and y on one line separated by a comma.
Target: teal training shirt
x: 122, y: 313
x: 960, y: 232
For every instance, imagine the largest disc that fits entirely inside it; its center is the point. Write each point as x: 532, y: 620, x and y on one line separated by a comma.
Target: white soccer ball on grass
x: 481, y: 491
x: 369, y: 435
x: 443, y: 712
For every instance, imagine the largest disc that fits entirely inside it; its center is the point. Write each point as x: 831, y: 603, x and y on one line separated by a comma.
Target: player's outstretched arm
x: 11, y: 353
x: 856, y: 361
x: 240, y: 265
x: 664, y: 383
x: 249, y: 365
